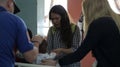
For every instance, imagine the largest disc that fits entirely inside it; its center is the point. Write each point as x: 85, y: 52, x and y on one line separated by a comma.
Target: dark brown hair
x: 43, y: 46
x: 65, y: 29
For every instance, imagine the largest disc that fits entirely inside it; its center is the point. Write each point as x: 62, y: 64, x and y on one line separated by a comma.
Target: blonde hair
x: 94, y: 9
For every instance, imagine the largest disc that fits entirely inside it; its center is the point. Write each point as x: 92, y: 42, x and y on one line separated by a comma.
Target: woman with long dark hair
x: 102, y: 36
x: 63, y: 37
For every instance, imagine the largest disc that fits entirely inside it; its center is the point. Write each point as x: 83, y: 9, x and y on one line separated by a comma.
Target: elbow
x: 30, y: 59
x: 31, y: 55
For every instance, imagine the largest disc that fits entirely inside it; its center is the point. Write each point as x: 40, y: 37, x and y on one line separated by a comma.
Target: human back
x: 102, y: 35
x: 7, y: 37
x: 107, y: 42
x: 101, y: 14
x: 6, y: 42
x: 13, y: 35
x: 100, y: 8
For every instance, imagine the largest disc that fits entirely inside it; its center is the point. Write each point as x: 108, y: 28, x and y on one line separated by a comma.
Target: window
x: 115, y: 5
x: 117, y: 2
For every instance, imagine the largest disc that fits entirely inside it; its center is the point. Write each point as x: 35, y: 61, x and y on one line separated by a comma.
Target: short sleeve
x: 23, y: 44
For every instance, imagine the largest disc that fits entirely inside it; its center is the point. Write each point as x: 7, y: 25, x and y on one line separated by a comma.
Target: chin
x: 57, y: 27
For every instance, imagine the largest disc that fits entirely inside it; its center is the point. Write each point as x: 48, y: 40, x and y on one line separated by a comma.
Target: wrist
x: 62, y: 50
x: 57, y: 64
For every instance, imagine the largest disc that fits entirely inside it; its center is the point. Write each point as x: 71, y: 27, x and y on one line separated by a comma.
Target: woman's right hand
x: 49, y: 62
x: 58, y: 51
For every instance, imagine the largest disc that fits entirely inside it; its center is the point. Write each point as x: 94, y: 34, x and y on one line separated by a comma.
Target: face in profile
x: 56, y: 19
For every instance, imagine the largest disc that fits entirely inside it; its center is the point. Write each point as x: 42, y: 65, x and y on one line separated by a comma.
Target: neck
x: 3, y: 4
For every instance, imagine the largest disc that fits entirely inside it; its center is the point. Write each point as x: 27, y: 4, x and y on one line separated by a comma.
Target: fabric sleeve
x: 90, y: 42
x: 22, y: 41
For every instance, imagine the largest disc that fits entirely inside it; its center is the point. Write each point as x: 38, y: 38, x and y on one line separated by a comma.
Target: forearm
x: 31, y: 55
x: 67, y: 51
x: 66, y: 60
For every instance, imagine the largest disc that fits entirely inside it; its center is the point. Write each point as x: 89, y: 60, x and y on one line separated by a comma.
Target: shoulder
x: 51, y: 30
x: 13, y: 17
x: 17, y: 20
x: 104, y: 23
x: 103, y: 20
x: 74, y: 27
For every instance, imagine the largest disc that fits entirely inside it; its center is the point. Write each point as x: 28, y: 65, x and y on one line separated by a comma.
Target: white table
x: 30, y: 65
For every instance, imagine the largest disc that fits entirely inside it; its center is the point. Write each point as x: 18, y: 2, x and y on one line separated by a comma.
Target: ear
x: 10, y: 5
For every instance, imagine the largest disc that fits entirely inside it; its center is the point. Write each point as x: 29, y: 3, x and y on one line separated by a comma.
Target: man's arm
x: 31, y: 55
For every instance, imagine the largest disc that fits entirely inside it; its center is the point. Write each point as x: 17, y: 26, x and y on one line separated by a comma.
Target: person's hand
x: 49, y: 62
x: 58, y: 51
x: 37, y: 40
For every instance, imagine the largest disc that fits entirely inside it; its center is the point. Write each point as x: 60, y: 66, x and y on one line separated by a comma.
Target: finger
x: 43, y: 63
x: 45, y: 60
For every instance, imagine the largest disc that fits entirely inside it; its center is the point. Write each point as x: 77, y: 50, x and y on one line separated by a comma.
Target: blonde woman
x: 102, y: 36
